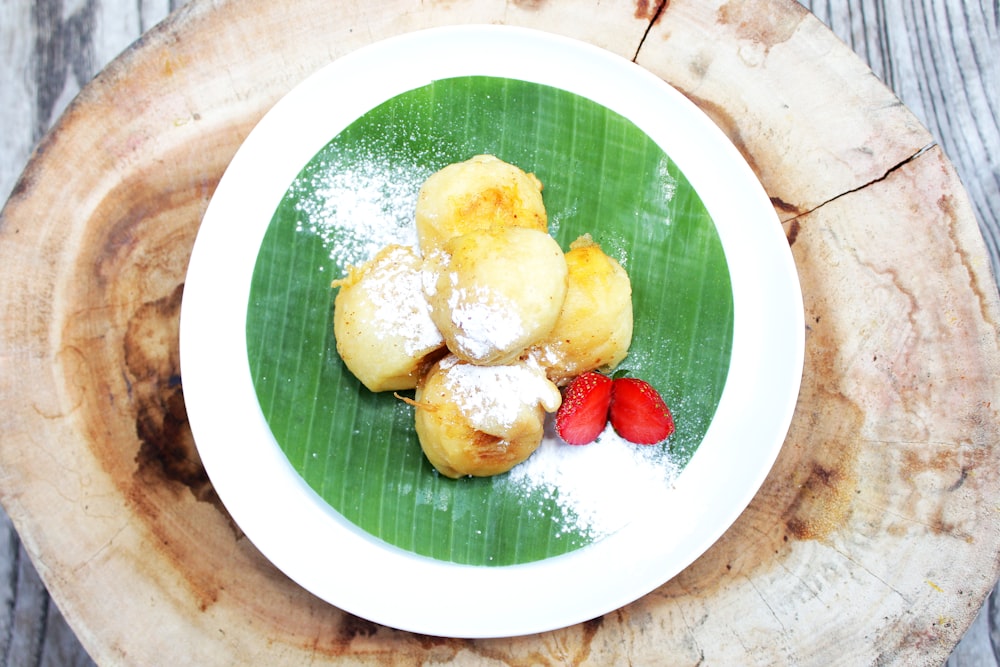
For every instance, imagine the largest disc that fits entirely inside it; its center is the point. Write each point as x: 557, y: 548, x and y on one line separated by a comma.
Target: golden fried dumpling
x: 497, y: 291
x: 483, y: 192
x: 382, y: 322
x: 594, y: 329
x: 482, y: 420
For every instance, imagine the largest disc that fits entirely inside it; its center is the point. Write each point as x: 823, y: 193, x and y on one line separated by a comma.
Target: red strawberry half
x: 638, y: 412
x: 584, y: 410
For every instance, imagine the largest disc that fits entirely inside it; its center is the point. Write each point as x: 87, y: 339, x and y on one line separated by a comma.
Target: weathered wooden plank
x: 938, y: 56
x: 49, y: 52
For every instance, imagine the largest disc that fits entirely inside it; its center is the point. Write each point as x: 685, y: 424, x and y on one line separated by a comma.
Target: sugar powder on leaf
x: 357, y: 209
x: 599, y: 488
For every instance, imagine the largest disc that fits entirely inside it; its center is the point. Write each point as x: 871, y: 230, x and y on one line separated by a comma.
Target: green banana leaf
x: 603, y: 176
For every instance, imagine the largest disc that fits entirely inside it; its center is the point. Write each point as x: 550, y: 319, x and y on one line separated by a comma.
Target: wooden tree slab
x: 874, y: 539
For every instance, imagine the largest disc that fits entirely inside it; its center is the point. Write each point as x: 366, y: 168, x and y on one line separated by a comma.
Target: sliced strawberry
x: 638, y: 412
x: 584, y: 410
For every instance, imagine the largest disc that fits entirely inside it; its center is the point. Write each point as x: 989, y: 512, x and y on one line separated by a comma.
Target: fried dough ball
x: 482, y: 420
x: 382, y: 321
x: 483, y: 192
x: 497, y: 292
x: 594, y: 329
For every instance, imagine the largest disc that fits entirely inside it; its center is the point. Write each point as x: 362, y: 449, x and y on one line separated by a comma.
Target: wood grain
x: 941, y: 60
x: 944, y: 72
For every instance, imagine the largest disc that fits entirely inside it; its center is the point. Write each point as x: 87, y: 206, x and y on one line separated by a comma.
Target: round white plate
x: 344, y: 565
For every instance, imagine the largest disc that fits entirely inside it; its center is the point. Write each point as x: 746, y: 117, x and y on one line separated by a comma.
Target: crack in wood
x: 889, y: 172
x: 653, y: 20
x: 861, y: 566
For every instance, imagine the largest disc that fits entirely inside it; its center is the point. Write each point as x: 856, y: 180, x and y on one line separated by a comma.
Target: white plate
x: 342, y: 564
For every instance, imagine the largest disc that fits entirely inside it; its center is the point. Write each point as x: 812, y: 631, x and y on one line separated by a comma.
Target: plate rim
x: 205, y: 331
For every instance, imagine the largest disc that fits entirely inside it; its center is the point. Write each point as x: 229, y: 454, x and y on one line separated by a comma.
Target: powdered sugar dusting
x: 396, y: 290
x: 361, y: 205
x: 599, y: 487
x: 359, y: 208
x: 488, y: 320
x: 495, y: 397
x: 668, y: 183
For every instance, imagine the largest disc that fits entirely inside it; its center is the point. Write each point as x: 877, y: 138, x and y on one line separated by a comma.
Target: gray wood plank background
x: 941, y: 57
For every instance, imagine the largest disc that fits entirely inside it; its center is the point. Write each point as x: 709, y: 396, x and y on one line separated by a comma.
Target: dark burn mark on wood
x: 822, y: 503
x: 645, y: 10
x: 166, y: 444
x: 166, y: 450
x: 785, y: 207
x: 793, y: 231
x: 352, y: 626
x: 590, y: 629
x: 963, y: 475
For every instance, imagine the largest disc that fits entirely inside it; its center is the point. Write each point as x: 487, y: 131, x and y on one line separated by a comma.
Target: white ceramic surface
x: 345, y: 566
